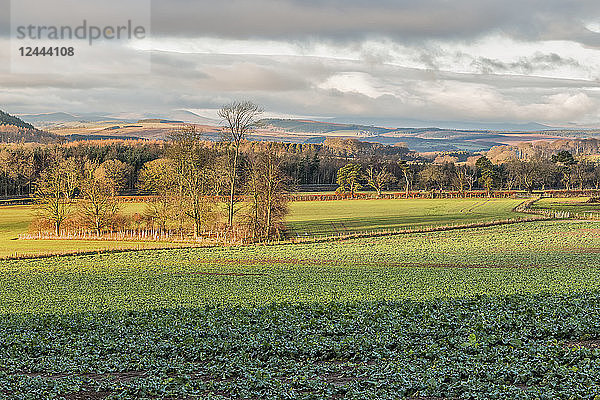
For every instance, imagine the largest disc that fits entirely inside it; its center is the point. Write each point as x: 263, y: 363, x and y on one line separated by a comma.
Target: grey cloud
x: 403, y: 19
x: 294, y: 84
x: 525, y: 65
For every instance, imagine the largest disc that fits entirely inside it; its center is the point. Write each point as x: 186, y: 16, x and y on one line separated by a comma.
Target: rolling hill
x: 15, y: 130
x: 151, y: 126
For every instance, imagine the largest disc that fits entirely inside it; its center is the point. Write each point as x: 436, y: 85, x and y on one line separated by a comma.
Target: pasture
x: 578, y: 205
x: 319, y: 218
x: 308, y: 218
x: 15, y: 220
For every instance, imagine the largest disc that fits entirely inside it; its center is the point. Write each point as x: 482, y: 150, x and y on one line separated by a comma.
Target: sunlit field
x: 309, y: 218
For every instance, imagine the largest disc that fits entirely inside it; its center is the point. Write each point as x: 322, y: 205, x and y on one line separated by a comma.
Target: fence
x: 230, y: 236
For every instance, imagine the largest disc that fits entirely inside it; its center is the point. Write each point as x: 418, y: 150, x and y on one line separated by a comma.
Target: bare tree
x: 157, y: 178
x: 407, y: 174
x: 464, y: 177
x: 98, y: 204
x: 266, y: 187
x: 116, y: 172
x: 53, y: 193
x: 239, y: 117
x: 596, y: 176
x: 191, y: 165
x: 379, y: 178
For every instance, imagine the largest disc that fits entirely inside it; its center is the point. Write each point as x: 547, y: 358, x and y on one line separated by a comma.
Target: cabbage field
x: 502, y: 312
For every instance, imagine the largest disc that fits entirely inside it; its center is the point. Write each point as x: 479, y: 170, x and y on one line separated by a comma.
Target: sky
x: 380, y: 60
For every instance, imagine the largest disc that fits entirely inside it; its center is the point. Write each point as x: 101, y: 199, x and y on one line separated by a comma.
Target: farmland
x: 15, y: 220
x: 523, y: 258
x: 579, y: 205
x: 504, y: 312
x: 347, y: 216
x: 499, y: 312
x: 307, y: 218
x: 515, y: 347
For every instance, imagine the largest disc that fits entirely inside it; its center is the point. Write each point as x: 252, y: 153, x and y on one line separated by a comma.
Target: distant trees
x: 489, y: 177
x: 349, y: 179
x: 464, y: 177
x: 116, y: 173
x: 565, y: 162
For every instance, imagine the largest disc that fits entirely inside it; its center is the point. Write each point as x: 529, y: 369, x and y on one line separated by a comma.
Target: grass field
x: 15, y: 220
x: 506, y: 312
x: 306, y: 219
x: 346, y: 216
x: 569, y: 204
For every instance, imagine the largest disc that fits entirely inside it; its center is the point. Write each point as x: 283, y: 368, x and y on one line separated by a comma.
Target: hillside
x: 15, y: 130
x: 418, y: 139
x: 159, y: 127
x: 7, y: 119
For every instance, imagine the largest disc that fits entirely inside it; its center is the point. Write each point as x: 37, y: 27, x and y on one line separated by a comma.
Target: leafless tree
x: 464, y: 178
x: 239, y: 118
x: 407, y: 174
x: 53, y: 193
x: 379, y: 178
x: 266, y: 187
x: 98, y: 204
x: 158, y: 178
x: 191, y: 164
x: 115, y: 172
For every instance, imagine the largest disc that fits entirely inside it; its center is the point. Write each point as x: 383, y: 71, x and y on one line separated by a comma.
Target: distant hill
x: 7, y: 119
x: 15, y: 130
x: 308, y: 126
x: 59, y: 119
x: 421, y: 138
x: 471, y: 137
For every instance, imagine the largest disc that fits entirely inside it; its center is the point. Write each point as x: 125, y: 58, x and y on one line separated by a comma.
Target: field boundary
x: 394, y: 232
x: 558, y: 214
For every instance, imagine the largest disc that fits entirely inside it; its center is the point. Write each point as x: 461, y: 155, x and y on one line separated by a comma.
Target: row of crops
x: 512, y: 347
x: 554, y: 256
x: 505, y: 312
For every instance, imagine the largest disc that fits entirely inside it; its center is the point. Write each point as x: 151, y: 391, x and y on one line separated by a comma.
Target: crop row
x: 515, y: 347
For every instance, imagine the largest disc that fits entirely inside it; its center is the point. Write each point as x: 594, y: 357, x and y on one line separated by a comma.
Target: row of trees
x: 195, y: 187
x: 305, y: 163
x: 561, y: 170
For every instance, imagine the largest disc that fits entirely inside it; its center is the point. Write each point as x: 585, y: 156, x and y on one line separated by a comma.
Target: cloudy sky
x: 379, y: 60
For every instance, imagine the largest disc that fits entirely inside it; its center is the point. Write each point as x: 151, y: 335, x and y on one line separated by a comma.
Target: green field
x: 15, y: 220
x: 502, y: 312
x: 553, y: 256
x: 577, y: 205
x: 506, y: 312
x: 312, y: 218
x: 315, y: 218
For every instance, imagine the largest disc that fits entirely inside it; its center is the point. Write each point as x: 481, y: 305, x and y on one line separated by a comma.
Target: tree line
x: 195, y: 187
x: 561, y: 170
x: 21, y: 165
